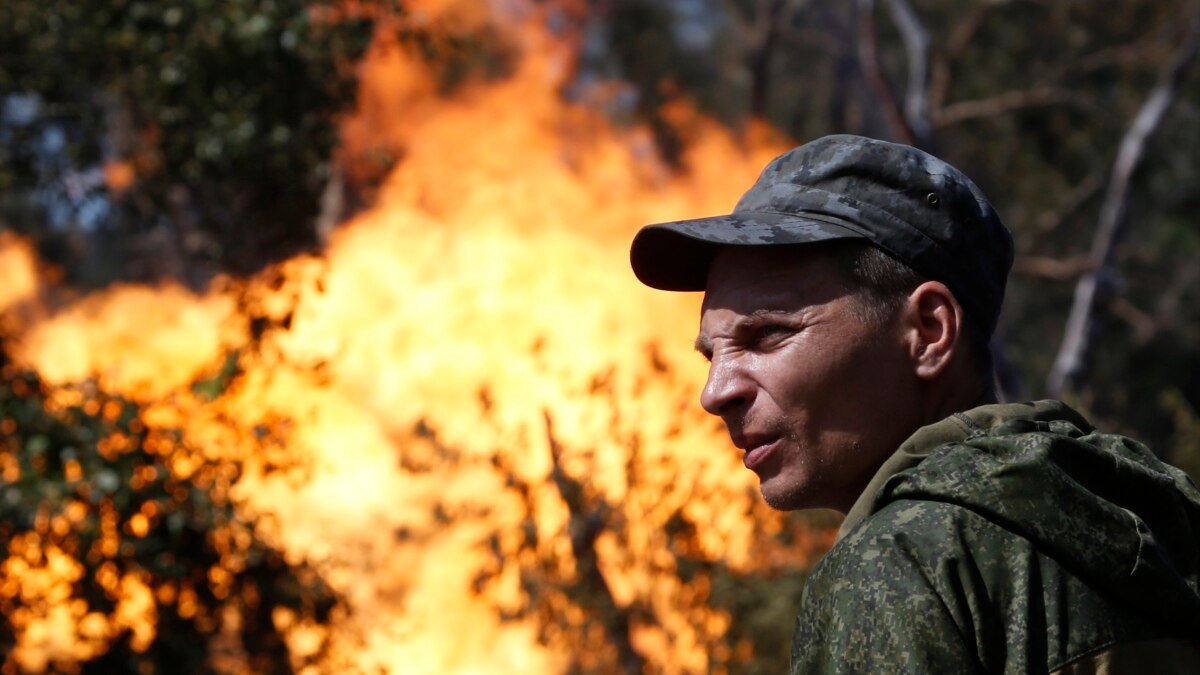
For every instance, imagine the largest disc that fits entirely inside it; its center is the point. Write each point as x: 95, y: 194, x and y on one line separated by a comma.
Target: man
x: 849, y: 300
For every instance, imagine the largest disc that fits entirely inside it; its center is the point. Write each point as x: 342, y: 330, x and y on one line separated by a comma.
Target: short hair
x: 884, y: 283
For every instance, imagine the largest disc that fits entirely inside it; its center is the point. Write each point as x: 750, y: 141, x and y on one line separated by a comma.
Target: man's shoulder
x: 908, y: 524
x: 891, y: 594
x: 924, y: 538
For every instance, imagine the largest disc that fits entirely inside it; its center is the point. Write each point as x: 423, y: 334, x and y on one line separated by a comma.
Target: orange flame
x: 477, y: 329
x: 18, y: 266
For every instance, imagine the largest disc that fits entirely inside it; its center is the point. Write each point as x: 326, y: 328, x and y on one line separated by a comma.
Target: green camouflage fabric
x: 912, y: 205
x: 1009, y: 539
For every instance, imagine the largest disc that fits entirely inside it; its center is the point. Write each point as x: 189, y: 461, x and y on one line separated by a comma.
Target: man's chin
x: 785, y: 497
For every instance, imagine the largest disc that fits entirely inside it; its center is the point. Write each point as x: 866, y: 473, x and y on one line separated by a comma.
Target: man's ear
x: 933, y: 329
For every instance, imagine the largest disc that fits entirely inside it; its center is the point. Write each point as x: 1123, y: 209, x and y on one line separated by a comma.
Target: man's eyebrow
x: 768, y: 313
x: 704, y: 344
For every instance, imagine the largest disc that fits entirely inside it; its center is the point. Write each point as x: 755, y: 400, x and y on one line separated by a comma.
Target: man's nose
x: 727, y: 387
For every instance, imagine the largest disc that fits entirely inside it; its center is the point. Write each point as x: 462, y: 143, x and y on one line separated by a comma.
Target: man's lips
x: 757, y: 451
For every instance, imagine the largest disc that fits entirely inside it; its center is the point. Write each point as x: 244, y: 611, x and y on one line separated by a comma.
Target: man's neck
x: 956, y: 395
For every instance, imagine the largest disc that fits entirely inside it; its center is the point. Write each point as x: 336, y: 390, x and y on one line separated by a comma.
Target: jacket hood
x: 1102, y: 505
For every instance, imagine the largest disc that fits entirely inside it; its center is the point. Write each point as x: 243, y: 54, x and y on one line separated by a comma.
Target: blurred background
x: 320, y: 352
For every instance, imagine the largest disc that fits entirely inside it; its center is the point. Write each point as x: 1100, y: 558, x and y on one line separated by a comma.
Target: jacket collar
x: 958, y: 427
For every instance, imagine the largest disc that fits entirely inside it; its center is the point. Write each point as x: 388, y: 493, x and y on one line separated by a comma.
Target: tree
x: 132, y: 562
x: 211, y: 122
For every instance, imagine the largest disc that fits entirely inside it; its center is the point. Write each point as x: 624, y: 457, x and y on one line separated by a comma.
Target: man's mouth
x: 757, y: 452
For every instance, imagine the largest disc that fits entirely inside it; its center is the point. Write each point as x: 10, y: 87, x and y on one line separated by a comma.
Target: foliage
x: 740, y: 618
x: 213, y: 119
x: 124, y: 541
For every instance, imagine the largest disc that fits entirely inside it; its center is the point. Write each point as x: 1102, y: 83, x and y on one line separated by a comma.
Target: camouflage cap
x: 913, y: 206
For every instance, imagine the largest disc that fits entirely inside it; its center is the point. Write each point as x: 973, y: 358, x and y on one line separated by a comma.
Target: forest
x: 320, y: 352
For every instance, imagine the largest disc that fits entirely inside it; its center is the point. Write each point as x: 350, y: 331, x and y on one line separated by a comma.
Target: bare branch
x: 587, y: 522
x: 1144, y: 325
x: 939, y: 80
x: 1147, y: 325
x: 1051, y: 219
x: 1167, y: 308
x: 916, y: 46
x: 834, y: 32
x: 965, y: 31
x: 1146, y: 50
x: 1000, y: 104
x: 332, y: 204
x: 1070, y: 366
x: 868, y: 56
x: 760, y: 35
x: 767, y: 24
x: 1052, y: 268
x: 827, y: 40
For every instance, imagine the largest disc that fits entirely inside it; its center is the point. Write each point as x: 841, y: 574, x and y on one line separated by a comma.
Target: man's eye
x: 768, y: 333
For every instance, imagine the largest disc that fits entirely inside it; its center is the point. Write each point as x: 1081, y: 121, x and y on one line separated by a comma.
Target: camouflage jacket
x: 1011, y: 539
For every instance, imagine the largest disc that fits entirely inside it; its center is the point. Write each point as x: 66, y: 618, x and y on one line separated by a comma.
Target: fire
x: 469, y: 378
x: 20, y: 274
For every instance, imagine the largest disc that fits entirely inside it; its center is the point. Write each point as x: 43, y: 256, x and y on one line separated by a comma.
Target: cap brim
x: 675, y: 256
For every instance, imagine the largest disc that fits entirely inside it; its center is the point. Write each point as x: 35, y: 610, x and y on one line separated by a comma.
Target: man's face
x: 816, y: 395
